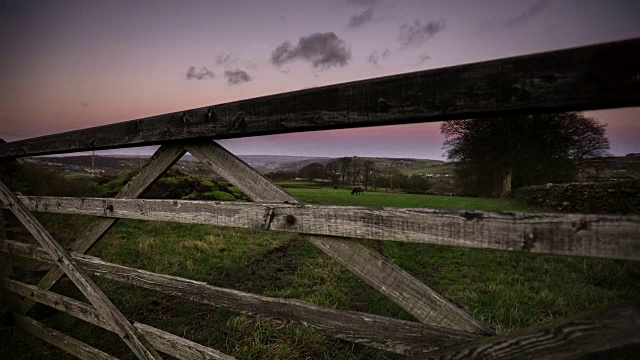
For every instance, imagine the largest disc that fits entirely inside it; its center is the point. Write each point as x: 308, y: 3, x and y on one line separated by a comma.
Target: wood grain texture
x: 89, y: 289
x: 61, y: 340
x: 586, y: 78
x: 405, y: 290
x: 161, y: 161
x: 161, y: 340
x: 609, y: 236
x: 408, y: 292
x: 403, y: 337
x: 578, y: 338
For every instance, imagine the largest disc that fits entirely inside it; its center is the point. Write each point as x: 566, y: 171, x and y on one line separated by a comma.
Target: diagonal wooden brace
x: 405, y: 290
x: 609, y: 333
x: 158, y: 164
x: 89, y: 289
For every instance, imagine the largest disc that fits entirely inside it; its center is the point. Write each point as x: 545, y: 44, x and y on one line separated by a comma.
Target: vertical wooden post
x: 6, y: 271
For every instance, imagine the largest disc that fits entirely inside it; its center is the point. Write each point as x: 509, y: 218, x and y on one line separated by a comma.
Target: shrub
x: 32, y: 179
x: 218, y: 195
x: 176, y: 185
x: 193, y: 196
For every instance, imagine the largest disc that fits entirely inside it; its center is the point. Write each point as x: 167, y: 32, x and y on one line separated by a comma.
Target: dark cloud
x: 416, y: 34
x: 357, y: 21
x: 363, y: 2
x: 494, y: 24
x: 322, y: 50
x: 225, y: 59
x: 535, y: 9
x: 236, y: 77
x: 201, y: 74
x: 282, y: 54
x: 375, y: 57
x: 423, y: 59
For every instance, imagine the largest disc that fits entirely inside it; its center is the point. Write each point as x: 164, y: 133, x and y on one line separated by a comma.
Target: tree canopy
x: 497, y: 153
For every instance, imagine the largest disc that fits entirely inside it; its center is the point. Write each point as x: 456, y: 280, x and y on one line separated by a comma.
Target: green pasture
x: 504, y: 290
x: 442, y: 169
x: 328, y: 196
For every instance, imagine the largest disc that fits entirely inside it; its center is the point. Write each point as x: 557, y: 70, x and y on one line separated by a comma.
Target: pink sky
x: 77, y: 64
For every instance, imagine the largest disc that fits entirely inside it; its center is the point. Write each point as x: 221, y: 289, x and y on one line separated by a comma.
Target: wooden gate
x: 595, y: 77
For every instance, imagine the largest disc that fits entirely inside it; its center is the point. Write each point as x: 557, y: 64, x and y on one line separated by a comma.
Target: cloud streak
x: 526, y: 15
x: 363, y: 2
x: 531, y: 12
x: 416, y: 34
x: 202, y: 74
x: 225, y: 59
x: 357, y: 21
x: 322, y: 50
x: 423, y: 59
x: 236, y: 77
x: 375, y: 57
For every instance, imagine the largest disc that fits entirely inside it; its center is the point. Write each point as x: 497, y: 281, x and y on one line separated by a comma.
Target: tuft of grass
x: 219, y: 195
x: 198, y: 245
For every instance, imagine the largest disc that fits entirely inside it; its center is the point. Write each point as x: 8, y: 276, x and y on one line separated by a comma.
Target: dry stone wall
x: 619, y: 197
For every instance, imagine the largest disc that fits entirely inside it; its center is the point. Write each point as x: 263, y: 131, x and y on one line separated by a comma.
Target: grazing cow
x: 357, y: 190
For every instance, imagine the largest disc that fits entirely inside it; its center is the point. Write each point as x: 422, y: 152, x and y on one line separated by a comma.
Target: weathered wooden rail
x: 593, y: 77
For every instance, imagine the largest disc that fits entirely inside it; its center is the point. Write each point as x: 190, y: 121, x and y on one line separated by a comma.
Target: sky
x: 67, y: 65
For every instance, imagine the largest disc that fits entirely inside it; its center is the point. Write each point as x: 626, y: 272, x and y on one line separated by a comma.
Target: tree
x: 313, y: 171
x: 345, y: 169
x: 417, y: 183
x: 393, y: 177
x: 369, y: 172
x: 281, y: 175
x: 355, y: 171
x: 493, y: 155
x: 8, y: 169
x: 332, y: 170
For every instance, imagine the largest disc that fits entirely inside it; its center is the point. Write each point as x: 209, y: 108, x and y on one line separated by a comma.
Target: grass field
x: 328, y: 196
x: 435, y: 169
x: 505, y: 290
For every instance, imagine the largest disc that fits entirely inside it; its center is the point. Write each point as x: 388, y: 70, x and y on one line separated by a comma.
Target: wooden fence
x: 594, y: 77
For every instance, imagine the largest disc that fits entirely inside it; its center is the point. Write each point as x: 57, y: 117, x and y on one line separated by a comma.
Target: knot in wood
x: 211, y: 115
x: 470, y: 215
x: 383, y: 105
x: 519, y: 93
x: 529, y: 241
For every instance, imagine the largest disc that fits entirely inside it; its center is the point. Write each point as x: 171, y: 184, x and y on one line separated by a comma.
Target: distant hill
x: 269, y: 163
x: 115, y: 164
x: 594, y: 169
